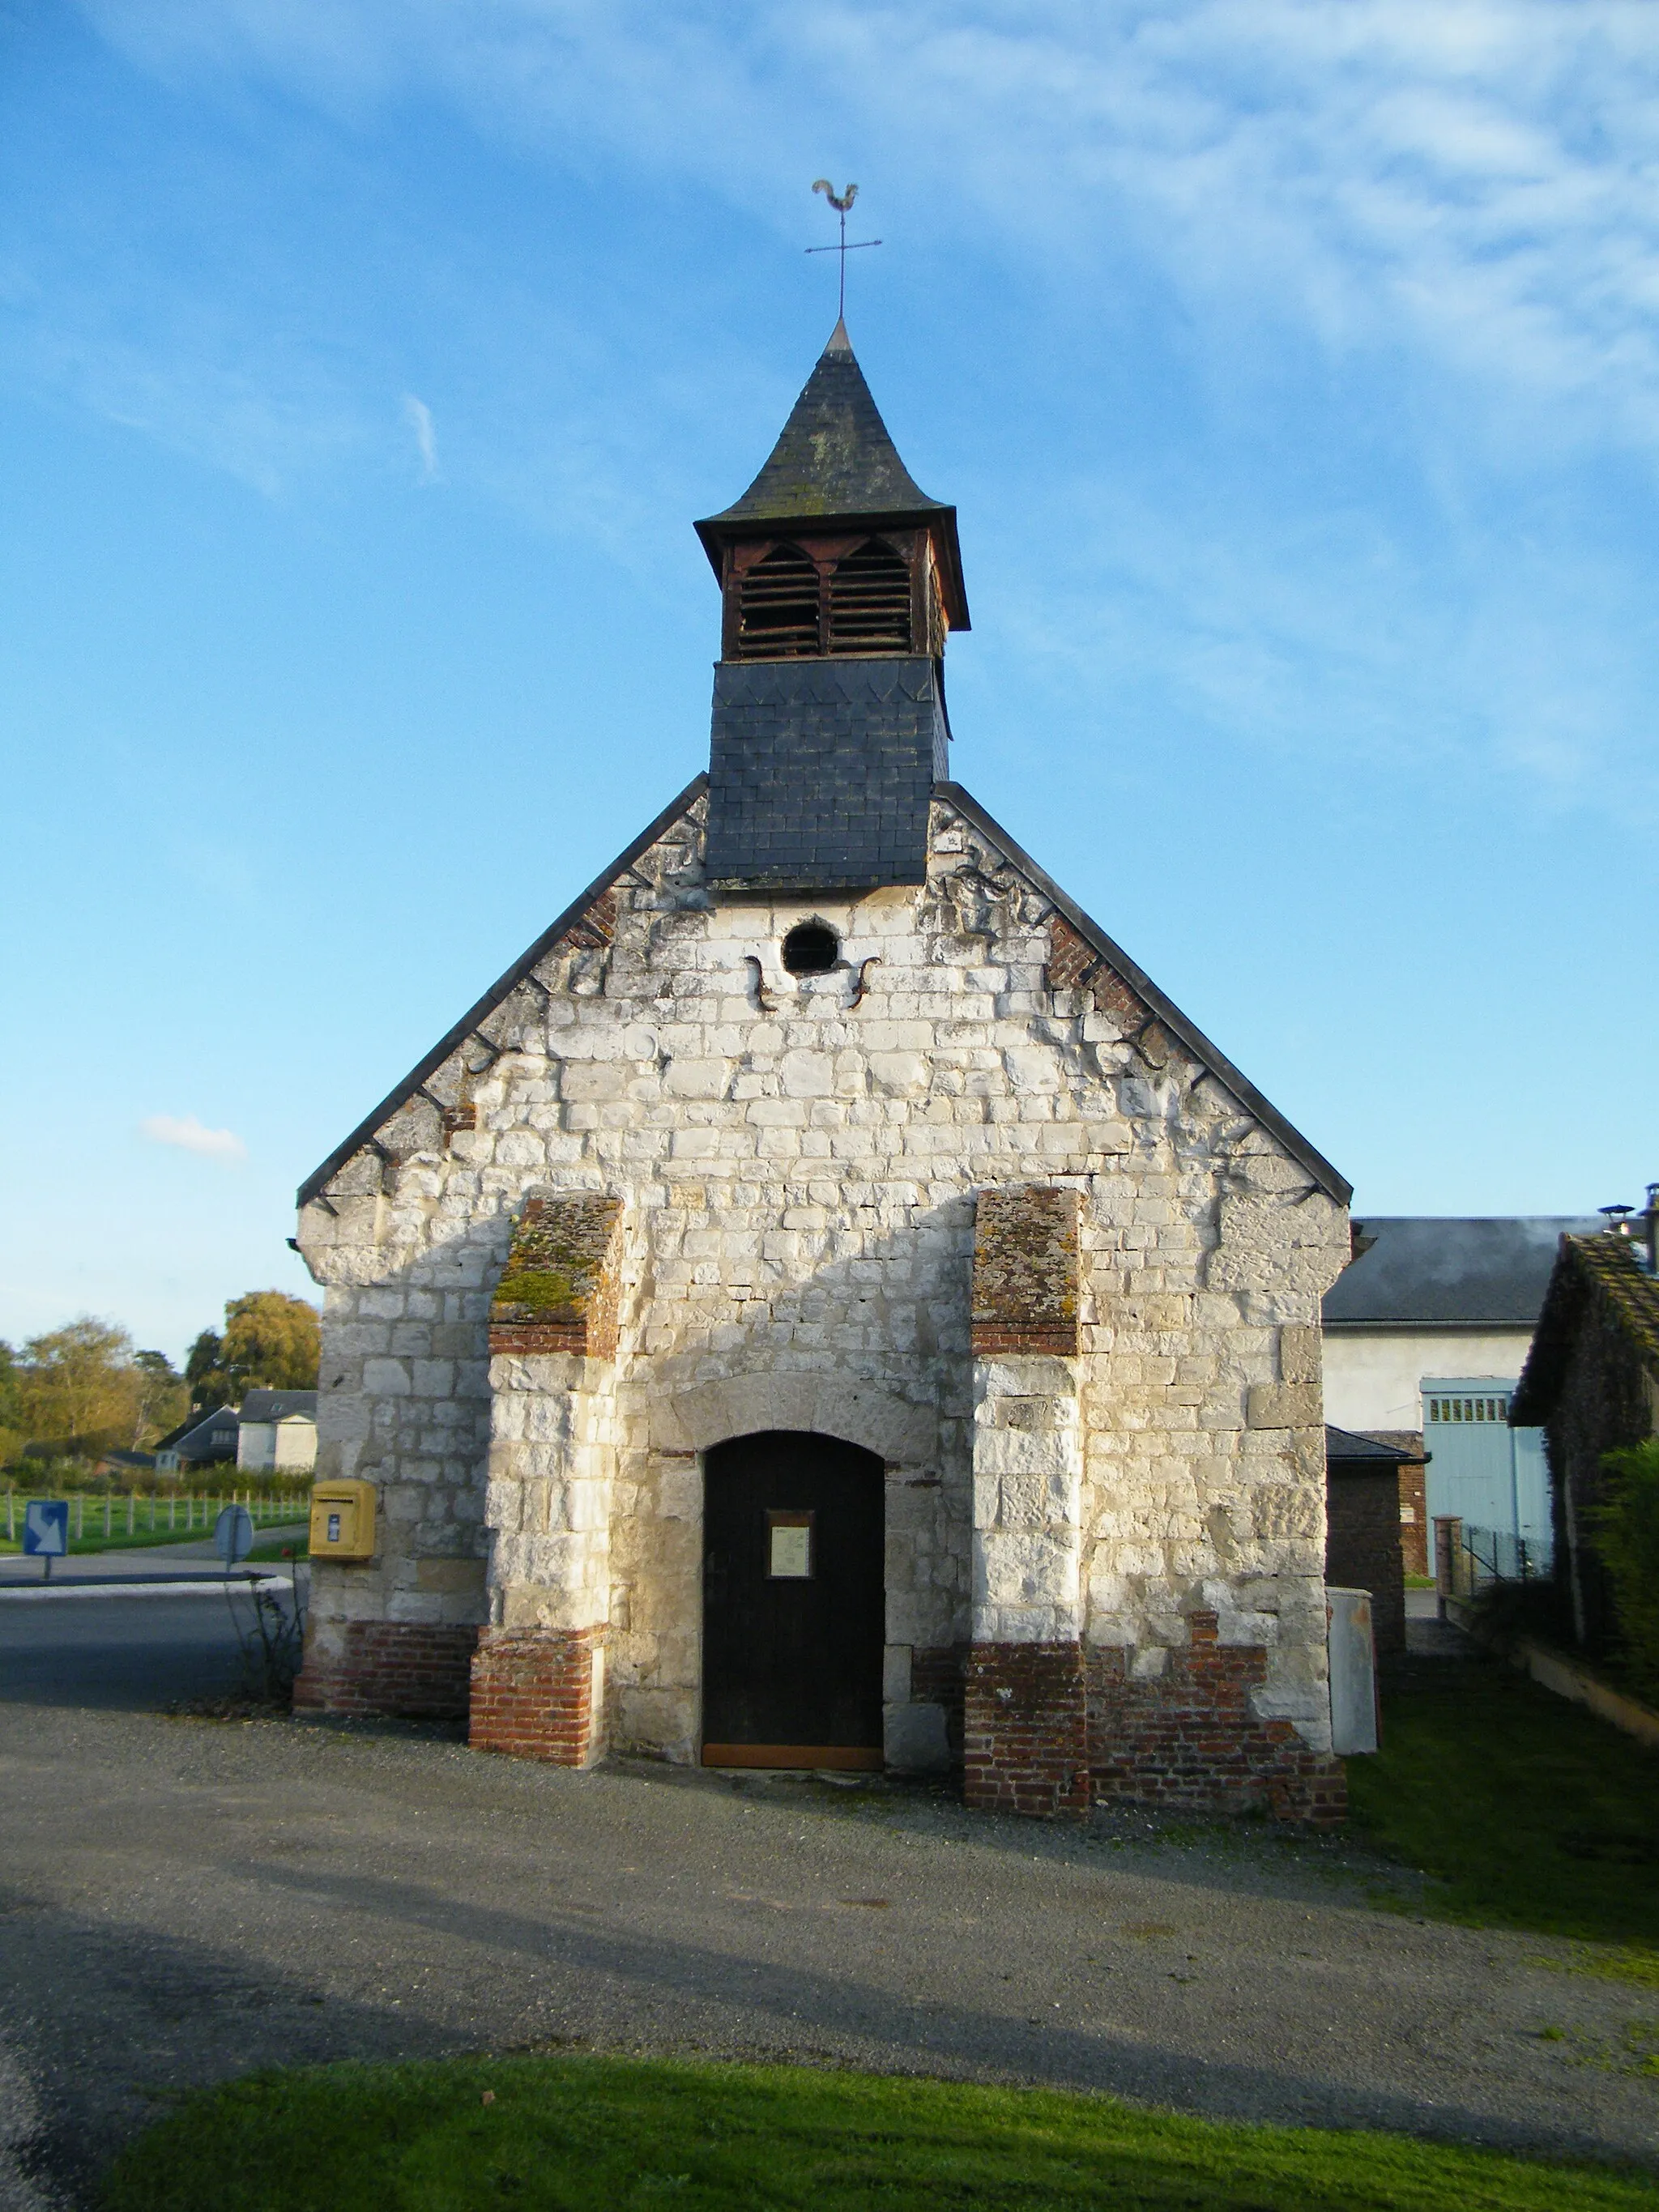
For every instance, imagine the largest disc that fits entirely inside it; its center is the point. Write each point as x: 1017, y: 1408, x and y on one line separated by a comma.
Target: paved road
x: 182, y: 1899
x: 64, y: 1646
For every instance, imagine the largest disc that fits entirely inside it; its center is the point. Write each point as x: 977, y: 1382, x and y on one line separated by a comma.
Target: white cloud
x: 1468, y: 182
x: 418, y: 416
x: 190, y: 1136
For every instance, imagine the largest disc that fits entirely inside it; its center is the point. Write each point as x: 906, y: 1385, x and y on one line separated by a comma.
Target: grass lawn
x: 1529, y: 1811
x: 457, y: 2135
x: 144, y: 1540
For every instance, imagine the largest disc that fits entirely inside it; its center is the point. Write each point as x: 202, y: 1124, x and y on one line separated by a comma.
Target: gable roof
x: 1599, y: 1270
x: 1459, y: 1271
x: 502, y: 988
x: 1209, y: 1056
x: 1214, y: 1062
x: 279, y: 1405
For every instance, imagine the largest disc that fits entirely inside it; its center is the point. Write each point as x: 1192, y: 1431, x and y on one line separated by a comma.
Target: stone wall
x: 795, y: 1164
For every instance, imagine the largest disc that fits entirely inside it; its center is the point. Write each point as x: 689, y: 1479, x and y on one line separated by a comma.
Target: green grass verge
x: 596, y: 2133
x: 142, y: 1539
x: 1528, y: 1811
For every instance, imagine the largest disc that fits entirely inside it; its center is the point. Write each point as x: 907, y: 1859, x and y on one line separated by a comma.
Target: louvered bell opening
x: 778, y: 607
x: 870, y: 601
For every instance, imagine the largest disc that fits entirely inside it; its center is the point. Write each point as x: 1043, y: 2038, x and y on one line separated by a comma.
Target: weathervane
x: 840, y: 202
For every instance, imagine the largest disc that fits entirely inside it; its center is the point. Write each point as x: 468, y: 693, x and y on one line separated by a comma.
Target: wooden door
x: 794, y: 1603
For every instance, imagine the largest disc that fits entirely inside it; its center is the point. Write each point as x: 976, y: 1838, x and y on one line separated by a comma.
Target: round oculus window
x: 811, y: 949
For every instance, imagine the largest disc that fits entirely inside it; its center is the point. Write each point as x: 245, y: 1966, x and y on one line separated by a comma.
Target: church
x: 825, y: 1307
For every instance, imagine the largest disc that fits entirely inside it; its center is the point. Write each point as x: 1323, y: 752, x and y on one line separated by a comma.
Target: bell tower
x: 840, y: 581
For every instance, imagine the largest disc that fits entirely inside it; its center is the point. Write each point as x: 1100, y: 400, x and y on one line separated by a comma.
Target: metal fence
x: 104, y: 1514
x: 1466, y: 1559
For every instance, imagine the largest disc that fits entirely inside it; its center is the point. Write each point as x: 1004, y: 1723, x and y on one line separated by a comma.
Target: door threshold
x: 857, y: 1758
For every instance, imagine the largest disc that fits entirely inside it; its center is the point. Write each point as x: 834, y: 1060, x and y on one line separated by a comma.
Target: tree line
x: 85, y: 1390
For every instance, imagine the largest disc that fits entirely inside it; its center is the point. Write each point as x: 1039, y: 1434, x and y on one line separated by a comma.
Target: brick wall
x: 1025, y: 1746
x: 1362, y: 1547
x: 1025, y: 1272
x: 558, y: 1289
x: 1189, y: 1741
x: 533, y: 1693
x: 393, y: 1669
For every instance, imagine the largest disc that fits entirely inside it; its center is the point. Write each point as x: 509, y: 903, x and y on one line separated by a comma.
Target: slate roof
x: 1345, y: 1448
x: 1431, y: 1271
x: 1601, y: 1268
x: 836, y: 462
x: 198, y: 1438
x: 834, y: 456
x: 278, y: 1405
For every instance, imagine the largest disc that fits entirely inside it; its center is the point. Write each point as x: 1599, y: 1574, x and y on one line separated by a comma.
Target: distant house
x: 1424, y: 1336
x: 277, y: 1432
x: 1592, y: 1381
x: 204, y: 1440
x: 126, y: 1466
x: 1363, y: 1530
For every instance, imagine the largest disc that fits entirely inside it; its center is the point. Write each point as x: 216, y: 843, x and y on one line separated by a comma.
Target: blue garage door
x: 1491, y: 1475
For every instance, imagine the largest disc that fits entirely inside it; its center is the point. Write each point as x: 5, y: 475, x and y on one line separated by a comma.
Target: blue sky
x: 365, y: 362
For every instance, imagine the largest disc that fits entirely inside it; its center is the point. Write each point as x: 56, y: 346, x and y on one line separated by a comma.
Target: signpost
x: 233, y: 1535
x: 46, y: 1530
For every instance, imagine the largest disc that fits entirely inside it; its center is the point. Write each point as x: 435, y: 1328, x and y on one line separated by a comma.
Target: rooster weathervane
x: 841, y: 202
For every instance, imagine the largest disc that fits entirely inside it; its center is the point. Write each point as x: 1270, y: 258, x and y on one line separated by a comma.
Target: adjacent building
x: 277, y: 1432
x: 1591, y: 1383
x: 1426, y: 1335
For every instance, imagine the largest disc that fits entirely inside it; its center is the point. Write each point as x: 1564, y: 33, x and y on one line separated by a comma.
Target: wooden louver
x: 870, y: 601
x: 778, y: 608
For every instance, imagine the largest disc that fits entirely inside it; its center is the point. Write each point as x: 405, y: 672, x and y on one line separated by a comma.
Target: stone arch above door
x: 896, y: 1430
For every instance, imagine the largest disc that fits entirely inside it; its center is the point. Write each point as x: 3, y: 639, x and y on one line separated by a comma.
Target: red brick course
x: 390, y: 1669
x: 1188, y: 1742
x: 1025, y: 1746
x: 532, y: 1694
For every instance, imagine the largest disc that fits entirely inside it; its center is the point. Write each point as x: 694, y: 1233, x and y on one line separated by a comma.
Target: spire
x: 835, y: 456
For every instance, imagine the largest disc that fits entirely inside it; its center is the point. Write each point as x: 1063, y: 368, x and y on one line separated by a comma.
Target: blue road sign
x: 45, y: 1529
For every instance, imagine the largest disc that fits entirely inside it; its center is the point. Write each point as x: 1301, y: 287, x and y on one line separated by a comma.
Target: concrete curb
x: 33, y: 1592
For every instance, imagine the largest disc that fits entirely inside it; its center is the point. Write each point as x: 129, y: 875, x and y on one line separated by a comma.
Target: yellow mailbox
x: 342, y: 1521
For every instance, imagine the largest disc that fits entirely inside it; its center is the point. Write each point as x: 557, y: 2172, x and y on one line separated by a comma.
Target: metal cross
x: 840, y: 202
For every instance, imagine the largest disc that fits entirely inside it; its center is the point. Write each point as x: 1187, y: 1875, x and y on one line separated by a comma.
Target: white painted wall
x: 1373, y: 1378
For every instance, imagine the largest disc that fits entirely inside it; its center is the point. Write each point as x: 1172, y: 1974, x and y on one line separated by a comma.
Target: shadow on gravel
x: 926, y: 2036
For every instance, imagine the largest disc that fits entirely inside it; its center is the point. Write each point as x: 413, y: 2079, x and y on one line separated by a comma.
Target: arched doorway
x: 793, y: 1602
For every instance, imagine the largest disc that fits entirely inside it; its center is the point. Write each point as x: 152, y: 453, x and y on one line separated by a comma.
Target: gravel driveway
x: 183, y: 1900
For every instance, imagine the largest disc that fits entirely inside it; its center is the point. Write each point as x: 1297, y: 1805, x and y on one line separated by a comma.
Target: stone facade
x: 1104, y: 1458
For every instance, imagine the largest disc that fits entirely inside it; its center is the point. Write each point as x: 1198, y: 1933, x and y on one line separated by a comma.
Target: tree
x: 12, y: 1437
x: 163, y: 1397
x: 79, y: 1386
x: 209, y: 1387
x: 272, y: 1342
